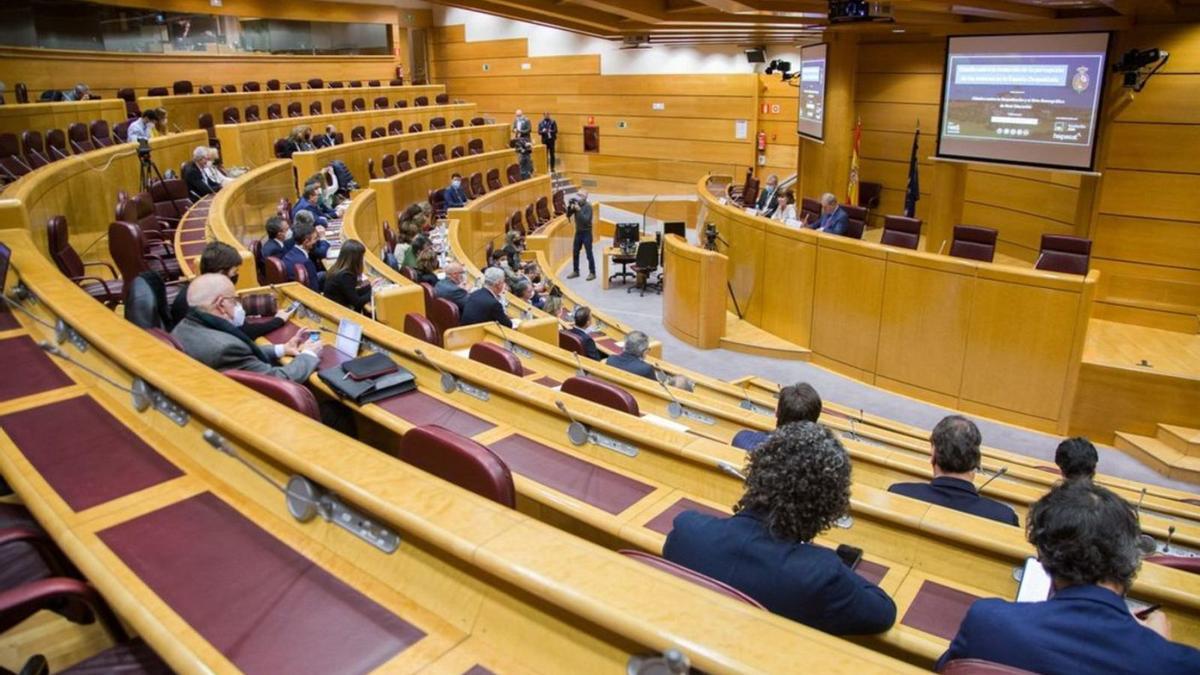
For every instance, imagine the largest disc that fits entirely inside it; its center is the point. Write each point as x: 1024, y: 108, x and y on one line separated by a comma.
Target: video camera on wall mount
x: 1134, y: 62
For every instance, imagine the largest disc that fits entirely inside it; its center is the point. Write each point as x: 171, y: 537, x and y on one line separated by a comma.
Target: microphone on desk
x: 579, y: 364
x: 176, y: 128
x: 1170, y: 533
x: 508, y: 344
x: 731, y: 470
x: 1003, y: 470
x: 577, y: 432
x: 1138, y: 508
x: 942, y: 248
x: 449, y: 381
x: 674, y: 408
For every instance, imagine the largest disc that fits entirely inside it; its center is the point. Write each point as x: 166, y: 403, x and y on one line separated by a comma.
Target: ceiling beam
x: 645, y: 11
x: 519, y: 13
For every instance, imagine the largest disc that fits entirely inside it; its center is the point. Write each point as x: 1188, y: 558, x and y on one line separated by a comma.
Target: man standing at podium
x: 581, y: 211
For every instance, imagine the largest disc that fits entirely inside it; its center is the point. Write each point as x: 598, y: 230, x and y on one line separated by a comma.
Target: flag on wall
x: 912, y: 193
x: 852, y: 188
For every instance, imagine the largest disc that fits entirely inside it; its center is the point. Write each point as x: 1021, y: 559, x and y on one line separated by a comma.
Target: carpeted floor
x: 645, y: 313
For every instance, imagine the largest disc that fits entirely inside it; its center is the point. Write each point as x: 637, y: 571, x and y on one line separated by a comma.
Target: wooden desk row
x: 253, y: 143
x: 185, y: 110
x: 994, y: 340
x: 42, y: 117
x: 147, y: 507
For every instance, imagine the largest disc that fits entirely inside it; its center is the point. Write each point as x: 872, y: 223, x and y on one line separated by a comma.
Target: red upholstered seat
x: 170, y: 199
x: 315, y: 108
x: 420, y: 157
x: 857, y: 221
x: 395, y: 128
x: 604, y: 393
x: 543, y: 210
x: 293, y: 395
x: 477, y: 188
x: 358, y: 133
x: 457, y: 123
x: 493, y: 180
x: 457, y: 151
x: 400, y: 103
x: 165, y: 338
x: 975, y: 243
x: 1179, y: 562
x: 475, y: 146
x: 132, y: 111
x: 371, y: 168
x: 80, y: 139
x: 694, y: 577
x: 444, y: 315
x: 441, y: 99
x: 810, y: 208
x: 437, y: 202
x: 294, y: 109
x: 252, y: 113
x: 1064, y: 253
x: 274, y: 111
x: 35, y: 149
x: 513, y: 173
x: 157, y: 91
x: 496, y: 357
x: 380, y: 103
x: 127, y: 247
x: 901, y: 231
x: 101, y: 136
x: 358, y: 105
x: 251, y: 86
x: 378, y: 132
x: 231, y: 115
x: 281, y: 148
x: 980, y: 667
x: 12, y: 165
x: 273, y: 85
x: 421, y: 101
x: 459, y: 460
x: 182, y: 87
x: 389, y: 165
x: 338, y: 105
x: 571, y: 342
x: 206, y: 89
x: 559, y: 201
x: 275, y: 271
x: 749, y: 193
x: 316, y: 83
x: 109, y: 290
x: 438, y: 154
x: 421, y: 328
x: 402, y: 162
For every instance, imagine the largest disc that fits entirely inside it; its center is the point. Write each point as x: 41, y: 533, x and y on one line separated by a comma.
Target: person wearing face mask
x: 580, y: 211
x: 454, y: 195
x: 221, y: 258
x: 211, y: 333
x: 193, y: 174
x: 279, y: 238
x: 521, y: 126
x: 298, y: 256
x: 767, y: 196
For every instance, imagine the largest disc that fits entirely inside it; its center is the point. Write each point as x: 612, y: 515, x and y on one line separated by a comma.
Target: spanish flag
x: 852, y: 188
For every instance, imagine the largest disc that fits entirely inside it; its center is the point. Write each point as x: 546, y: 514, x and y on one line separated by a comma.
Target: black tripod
x: 148, y: 169
x: 711, y: 237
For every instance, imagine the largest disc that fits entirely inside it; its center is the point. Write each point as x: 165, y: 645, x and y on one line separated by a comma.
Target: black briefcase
x: 392, y: 382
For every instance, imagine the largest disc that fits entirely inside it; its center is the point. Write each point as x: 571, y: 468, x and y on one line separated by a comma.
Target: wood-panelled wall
x: 1146, y: 225
x: 658, y: 133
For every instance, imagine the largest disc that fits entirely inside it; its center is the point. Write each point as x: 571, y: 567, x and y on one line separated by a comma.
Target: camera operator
x: 524, y: 149
x: 580, y: 211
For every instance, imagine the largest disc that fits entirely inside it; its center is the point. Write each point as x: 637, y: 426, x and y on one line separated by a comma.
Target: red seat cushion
x: 459, y: 460
x: 497, y: 357
x: 604, y: 393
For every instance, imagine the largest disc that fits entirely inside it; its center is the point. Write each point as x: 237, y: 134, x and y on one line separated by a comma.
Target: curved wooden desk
x: 995, y: 340
x: 42, y: 117
x: 398, y: 192
x: 399, y: 296
x: 694, y: 293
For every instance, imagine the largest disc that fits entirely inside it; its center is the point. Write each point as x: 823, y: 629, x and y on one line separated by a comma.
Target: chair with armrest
x: 380, y: 103
x: 400, y: 103
x: 388, y: 167
x: 371, y: 168
x: 12, y: 165
x: 438, y: 153
x: 695, y: 577
x: 358, y: 105
x: 421, y: 101
x: 457, y: 123
x: 127, y: 247
x: 497, y: 357
x: 231, y: 115
x: 373, y: 83
x: 645, y: 265
x: 81, y: 140
x: 395, y: 128
x: 457, y: 152
x: 513, y: 174
x: 273, y: 85
x: 869, y: 194
x: 493, y: 180
x: 421, y: 158
x: 291, y: 394
x: 901, y: 231
x: 974, y: 242
x: 857, y: 221
x: 251, y: 86
x: 158, y: 91
x: 355, y: 84
x: 252, y: 113
x: 205, y: 121
x: 532, y: 222
x: 458, y: 460
x: 165, y: 338
x: 605, y: 393
x: 396, y: 82
x: 228, y: 88
x: 34, y: 149
x: 437, y: 123
x: 444, y: 315
x: 292, y: 86
x: 402, y: 162
x: 1064, y: 253
x: 281, y: 147
x: 420, y: 327
x: 56, y: 145
x: 205, y: 89
x: 442, y: 99
x: 274, y: 111
x: 295, y: 109
x: 542, y: 206
x: 260, y: 268
x: 316, y: 83
x: 315, y: 108
x: 749, y: 195
x: 475, y: 146
x: 571, y: 342
x: 182, y: 88
x: 415, y: 127
x: 274, y: 270
x: 101, y: 136
x: 735, y: 192
x: 477, y: 188
x: 335, y: 84
x: 478, y: 121
x: 338, y: 105
x: 170, y: 199
x: 810, y: 209
x: 559, y: 200
x: 132, y: 111
x: 437, y: 202
x: 109, y: 291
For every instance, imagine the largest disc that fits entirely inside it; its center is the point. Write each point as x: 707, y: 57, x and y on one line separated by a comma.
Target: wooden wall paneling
x: 42, y: 117
x: 848, y: 301
x: 467, y: 51
x: 581, y: 64
x: 1156, y: 286
x: 1154, y: 241
x: 780, y: 127
x: 1111, y: 399
x: 734, y: 86
x: 745, y: 251
x: 790, y: 263
x: 1151, y: 194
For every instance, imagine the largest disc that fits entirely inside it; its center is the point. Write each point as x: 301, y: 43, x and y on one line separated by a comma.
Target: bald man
x: 521, y: 126
x: 454, y: 286
x: 211, y: 333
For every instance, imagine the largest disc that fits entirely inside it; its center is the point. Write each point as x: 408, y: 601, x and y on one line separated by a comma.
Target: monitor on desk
x: 627, y: 235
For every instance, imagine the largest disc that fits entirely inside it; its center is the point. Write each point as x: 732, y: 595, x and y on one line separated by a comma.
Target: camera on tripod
x: 143, y: 150
x: 711, y: 236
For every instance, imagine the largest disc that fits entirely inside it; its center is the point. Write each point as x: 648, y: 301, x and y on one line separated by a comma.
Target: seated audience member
x: 142, y: 127
x: 344, y: 282
x: 455, y: 196
x: 300, y: 140
x: 553, y: 303
x: 633, y: 357
x: 221, y: 258
x: 1076, y: 458
x: 279, y: 238
x: 768, y: 196
x: 211, y: 333
x: 308, y: 202
x: 319, y: 249
x: 1086, y: 539
x: 212, y: 172
x: 413, y: 252
x: 512, y: 250
x: 454, y: 286
x: 305, y: 237
x: 797, y: 403
x: 797, y: 486
x: 955, y: 459
x: 785, y: 211
x: 834, y: 218
x: 485, y: 305
x: 160, y: 124
x: 583, y: 319
x: 193, y: 174
x: 330, y: 135
x: 81, y: 92
x: 427, y: 266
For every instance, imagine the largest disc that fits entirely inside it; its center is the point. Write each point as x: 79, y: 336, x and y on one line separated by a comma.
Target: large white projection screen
x: 811, y: 119
x: 1023, y: 99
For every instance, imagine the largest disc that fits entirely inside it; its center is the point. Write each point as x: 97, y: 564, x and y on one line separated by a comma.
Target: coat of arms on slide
x: 1081, y: 80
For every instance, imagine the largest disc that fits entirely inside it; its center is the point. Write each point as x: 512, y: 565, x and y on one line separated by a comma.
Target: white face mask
x: 239, y: 315
x: 455, y: 182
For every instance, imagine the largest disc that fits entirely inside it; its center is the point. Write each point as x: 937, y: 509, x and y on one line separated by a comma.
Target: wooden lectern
x: 694, y: 292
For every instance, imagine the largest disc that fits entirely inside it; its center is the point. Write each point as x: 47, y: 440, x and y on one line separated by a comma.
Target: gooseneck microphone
x: 1003, y: 470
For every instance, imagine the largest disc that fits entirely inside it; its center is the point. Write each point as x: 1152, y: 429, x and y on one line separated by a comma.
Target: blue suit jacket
x: 589, y: 344
x: 483, y: 307
x: 804, y: 582
x: 632, y: 364
x: 275, y: 249
x: 454, y: 198
x: 296, y: 255
x: 1081, y: 629
x: 834, y: 223
x: 958, y: 495
x: 749, y: 439
x: 305, y: 205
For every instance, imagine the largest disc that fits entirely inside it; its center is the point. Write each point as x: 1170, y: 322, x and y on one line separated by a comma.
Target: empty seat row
x: 185, y: 87
x: 35, y: 151
x: 391, y: 164
x: 1057, y: 253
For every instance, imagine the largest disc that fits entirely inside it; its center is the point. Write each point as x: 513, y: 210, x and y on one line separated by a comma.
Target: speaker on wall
x: 756, y: 55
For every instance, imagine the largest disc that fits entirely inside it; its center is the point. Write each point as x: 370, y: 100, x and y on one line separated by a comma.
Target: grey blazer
x: 222, y: 351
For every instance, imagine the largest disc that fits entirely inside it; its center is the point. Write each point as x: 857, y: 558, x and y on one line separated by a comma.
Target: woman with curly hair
x: 797, y: 485
x: 1086, y: 539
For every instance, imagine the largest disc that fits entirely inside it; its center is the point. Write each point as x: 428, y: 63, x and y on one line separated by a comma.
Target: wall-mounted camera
x: 1133, y: 65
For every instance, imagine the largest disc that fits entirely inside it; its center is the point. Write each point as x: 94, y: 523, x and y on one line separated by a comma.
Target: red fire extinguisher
x: 762, y: 141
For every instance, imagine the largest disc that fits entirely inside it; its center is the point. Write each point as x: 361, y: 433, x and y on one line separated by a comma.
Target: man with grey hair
x: 212, y: 334
x: 453, y: 286
x: 767, y: 196
x: 193, y: 174
x: 580, y: 211
x: 834, y: 218
x: 633, y: 358
x: 320, y: 249
x: 81, y: 92
x: 484, y: 305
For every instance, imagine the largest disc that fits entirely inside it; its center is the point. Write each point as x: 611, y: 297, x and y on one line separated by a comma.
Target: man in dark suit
x: 454, y: 194
x: 305, y: 236
x: 308, y: 202
x: 484, y: 305
x: 956, y: 456
x: 583, y: 319
x: 452, y: 288
x: 797, y: 486
x: 797, y: 403
x: 767, y: 196
x: 279, y: 238
x: 834, y: 218
x: 1086, y: 539
x: 193, y: 174
x: 548, y: 130
x: 633, y: 357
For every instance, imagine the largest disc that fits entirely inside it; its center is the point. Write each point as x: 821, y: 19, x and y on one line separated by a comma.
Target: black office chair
x: 645, y: 265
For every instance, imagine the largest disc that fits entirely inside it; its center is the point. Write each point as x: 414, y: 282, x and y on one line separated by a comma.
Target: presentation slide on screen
x: 1026, y: 99
x: 811, y: 120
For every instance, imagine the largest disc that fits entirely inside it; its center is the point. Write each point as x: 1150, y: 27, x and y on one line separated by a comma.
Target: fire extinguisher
x: 762, y: 141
